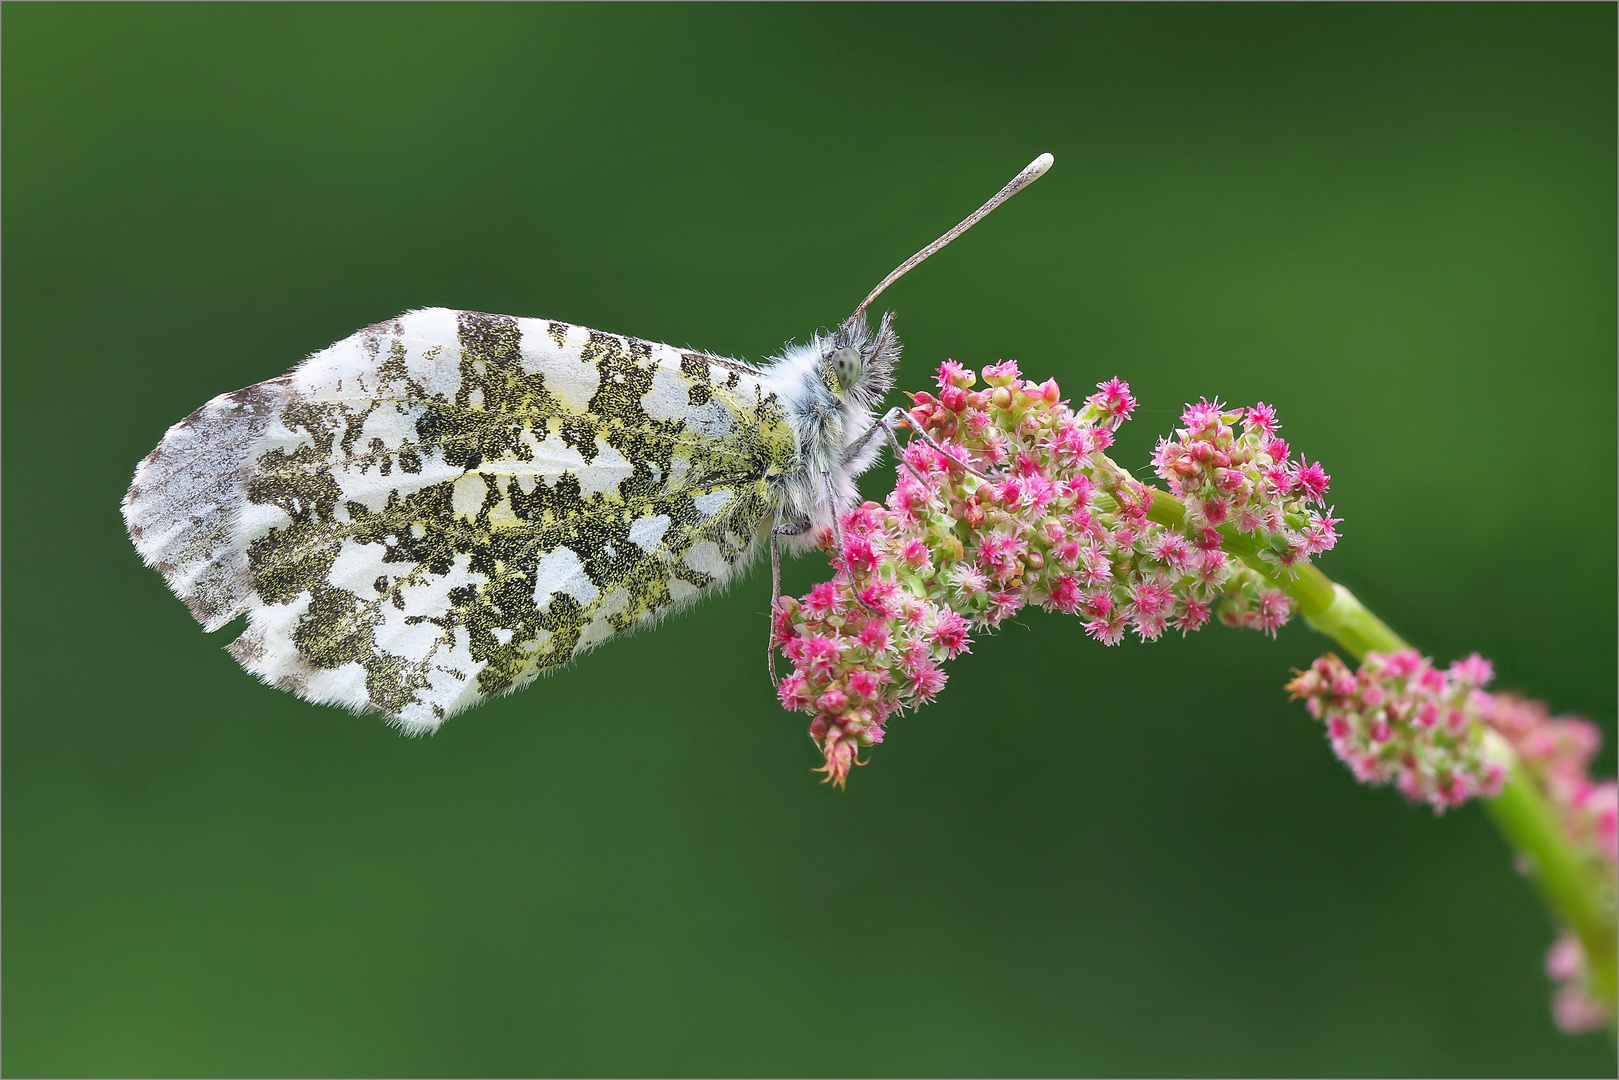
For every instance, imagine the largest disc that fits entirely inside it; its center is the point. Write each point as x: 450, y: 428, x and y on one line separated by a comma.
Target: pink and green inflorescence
x: 1400, y: 720
x: 1441, y: 739
x: 1009, y: 499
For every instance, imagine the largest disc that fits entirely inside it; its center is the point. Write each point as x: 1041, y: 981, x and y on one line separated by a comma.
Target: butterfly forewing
x: 439, y: 508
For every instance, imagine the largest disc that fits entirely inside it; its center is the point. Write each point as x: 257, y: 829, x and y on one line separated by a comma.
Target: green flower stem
x: 1568, y: 880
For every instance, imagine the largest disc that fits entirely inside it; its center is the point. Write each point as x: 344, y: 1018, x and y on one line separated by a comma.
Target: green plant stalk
x: 1568, y: 881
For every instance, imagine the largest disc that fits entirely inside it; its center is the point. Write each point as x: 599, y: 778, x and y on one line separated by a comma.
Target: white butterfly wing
x: 439, y: 508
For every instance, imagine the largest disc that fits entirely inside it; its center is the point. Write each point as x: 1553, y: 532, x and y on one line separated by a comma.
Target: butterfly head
x: 857, y: 364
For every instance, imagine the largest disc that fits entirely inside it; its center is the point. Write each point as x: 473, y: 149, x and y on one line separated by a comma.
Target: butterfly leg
x: 896, y: 416
x: 889, y: 424
x: 832, y: 504
x: 885, y: 425
x: 899, y: 451
x: 790, y: 528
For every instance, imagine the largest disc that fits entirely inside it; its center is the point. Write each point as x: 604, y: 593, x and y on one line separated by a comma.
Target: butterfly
x: 441, y: 507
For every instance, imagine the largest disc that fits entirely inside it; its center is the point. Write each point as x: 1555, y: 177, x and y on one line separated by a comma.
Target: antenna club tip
x: 1032, y: 172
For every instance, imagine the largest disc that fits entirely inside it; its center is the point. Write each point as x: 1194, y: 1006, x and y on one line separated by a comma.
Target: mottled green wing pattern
x: 439, y: 508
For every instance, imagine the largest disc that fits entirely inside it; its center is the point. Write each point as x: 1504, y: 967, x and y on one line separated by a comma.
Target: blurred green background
x: 1396, y: 223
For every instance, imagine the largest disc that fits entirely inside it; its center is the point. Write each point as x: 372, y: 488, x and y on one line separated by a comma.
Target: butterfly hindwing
x: 439, y: 508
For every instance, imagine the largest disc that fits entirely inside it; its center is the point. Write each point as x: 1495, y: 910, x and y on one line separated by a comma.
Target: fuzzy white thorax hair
x: 830, y: 422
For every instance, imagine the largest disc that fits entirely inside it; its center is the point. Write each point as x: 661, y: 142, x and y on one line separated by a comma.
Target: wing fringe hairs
x: 184, y: 508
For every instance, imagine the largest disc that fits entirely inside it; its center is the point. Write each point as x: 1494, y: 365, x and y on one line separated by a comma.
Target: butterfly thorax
x: 830, y: 388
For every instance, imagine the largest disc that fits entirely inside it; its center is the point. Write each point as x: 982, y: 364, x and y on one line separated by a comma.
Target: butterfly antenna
x: 1029, y: 175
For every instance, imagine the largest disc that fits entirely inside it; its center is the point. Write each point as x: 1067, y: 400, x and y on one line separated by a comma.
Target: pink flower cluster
x: 1248, y: 481
x: 1556, y: 752
x: 1401, y: 720
x: 863, y: 645
x: 1008, y: 498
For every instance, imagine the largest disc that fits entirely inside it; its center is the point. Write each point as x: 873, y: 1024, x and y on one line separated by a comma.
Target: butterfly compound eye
x: 846, y: 366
